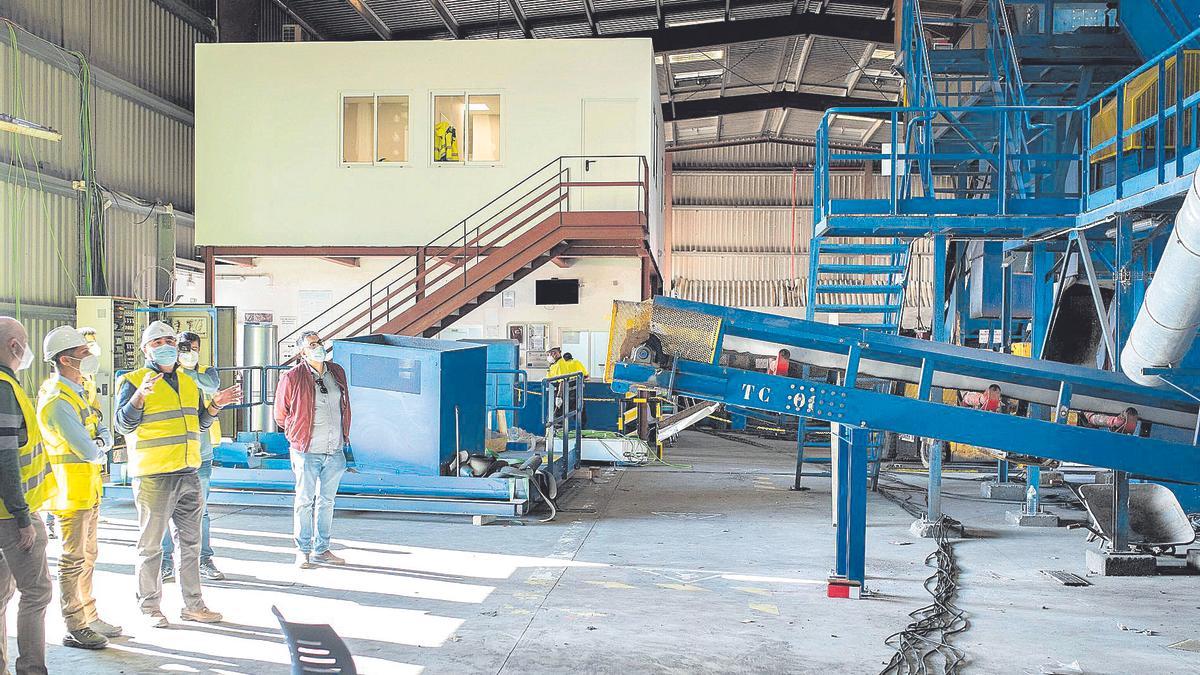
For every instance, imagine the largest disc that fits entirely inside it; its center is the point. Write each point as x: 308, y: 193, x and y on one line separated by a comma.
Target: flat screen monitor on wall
x: 557, y: 292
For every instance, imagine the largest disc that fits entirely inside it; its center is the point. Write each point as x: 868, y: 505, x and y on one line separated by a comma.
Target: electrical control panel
x: 119, y: 323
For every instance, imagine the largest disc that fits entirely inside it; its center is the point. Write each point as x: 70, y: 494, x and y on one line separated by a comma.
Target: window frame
x: 408, y: 144
x: 464, y: 150
x: 374, y: 95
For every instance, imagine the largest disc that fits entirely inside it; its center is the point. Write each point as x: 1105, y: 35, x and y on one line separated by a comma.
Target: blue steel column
x: 941, y: 333
x: 801, y: 432
x: 852, y: 504
x: 1043, y: 296
x: 1124, y: 298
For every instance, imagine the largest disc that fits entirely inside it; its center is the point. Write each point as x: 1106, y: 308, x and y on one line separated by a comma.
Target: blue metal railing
x: 1043, y: 160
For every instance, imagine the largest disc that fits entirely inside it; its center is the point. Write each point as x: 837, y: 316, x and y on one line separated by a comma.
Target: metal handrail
x: 467, y: 245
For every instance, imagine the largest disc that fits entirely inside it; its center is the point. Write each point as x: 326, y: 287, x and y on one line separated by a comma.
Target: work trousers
x: 77, y: 565
x: 26, y: 571
x: 206, y: 552
x: 170, y: 498
x: 317, y: 478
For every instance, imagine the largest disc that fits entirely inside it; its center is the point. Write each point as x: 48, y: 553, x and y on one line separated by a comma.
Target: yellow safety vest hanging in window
x: 445, y: 143
x: 79, y: 481
x: 37, y: 478
x: 168, y: 439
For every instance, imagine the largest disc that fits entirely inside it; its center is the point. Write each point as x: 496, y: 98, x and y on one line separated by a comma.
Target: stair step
x: 856, y: 309
x: 863, y: 249
x: 859, y: 269
x: 864, y: 288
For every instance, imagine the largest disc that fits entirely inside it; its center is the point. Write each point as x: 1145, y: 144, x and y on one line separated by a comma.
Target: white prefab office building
x: 382, y: 152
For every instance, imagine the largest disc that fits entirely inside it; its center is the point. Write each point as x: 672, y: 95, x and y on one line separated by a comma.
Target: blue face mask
x: 318, y: 353
x: 165, y: 355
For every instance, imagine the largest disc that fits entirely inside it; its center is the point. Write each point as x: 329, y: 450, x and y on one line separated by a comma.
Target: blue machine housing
x: 416, y: 401
x: 503, y: 355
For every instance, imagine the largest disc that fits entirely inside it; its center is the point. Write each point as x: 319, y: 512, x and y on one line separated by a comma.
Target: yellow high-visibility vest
x: 79, y: 482
x: 37, y: 478
x: 565, y: 367
x: 168, y: 439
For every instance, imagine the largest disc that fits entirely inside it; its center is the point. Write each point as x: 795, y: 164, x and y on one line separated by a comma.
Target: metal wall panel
x: 754, y: 155
x: 740, y: 230
x: 39, y: 231
x: 132, y: 254
x: 136, y: 40
x: 138, y: 151
x: 731, y: 188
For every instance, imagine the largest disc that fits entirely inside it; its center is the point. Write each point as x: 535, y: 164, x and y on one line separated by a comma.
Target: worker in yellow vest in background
x: 26, y: 485
x: 209, y: 382
x: 566, y: 364
x: 162, y: 414
x: 77, y: 444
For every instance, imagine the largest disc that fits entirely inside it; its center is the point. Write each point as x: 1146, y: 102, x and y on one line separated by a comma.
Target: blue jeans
x: 206, y: 552
x: 317, y: 479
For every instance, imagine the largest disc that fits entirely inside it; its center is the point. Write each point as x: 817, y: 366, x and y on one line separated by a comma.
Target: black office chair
x: 316, y: 649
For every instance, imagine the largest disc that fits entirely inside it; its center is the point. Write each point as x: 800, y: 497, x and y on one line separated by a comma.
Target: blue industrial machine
x: 419, y: 413
x: 1046, y: 184
x: 677, y: 348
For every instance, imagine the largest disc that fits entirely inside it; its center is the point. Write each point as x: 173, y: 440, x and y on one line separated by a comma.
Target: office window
x: 391, y: 144
x: 466, y: 128
x: 358, y: 129
x: 483, y: 125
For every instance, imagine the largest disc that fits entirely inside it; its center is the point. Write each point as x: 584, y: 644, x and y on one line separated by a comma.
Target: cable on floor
x: 924, y: 645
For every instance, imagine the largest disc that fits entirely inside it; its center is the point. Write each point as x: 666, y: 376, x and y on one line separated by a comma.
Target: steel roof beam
x: 673, y: 38
x: 448, y: 19
x: 519, y: 14
x: 308, y: 27
x: 190, y: 16
x: 727, y: 105
x: 364, y: 10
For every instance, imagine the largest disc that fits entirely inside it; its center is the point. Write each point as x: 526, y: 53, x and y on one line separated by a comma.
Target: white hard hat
x: 60, y: 340
x: 155, y: 330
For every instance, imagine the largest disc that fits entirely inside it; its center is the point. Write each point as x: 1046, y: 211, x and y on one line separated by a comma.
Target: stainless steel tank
x: 260, y: 347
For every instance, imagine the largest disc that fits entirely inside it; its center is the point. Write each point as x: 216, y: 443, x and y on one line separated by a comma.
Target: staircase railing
x: 447, y: 260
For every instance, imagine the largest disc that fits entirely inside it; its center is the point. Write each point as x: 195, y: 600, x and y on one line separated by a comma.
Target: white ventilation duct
x: 1167, y: 322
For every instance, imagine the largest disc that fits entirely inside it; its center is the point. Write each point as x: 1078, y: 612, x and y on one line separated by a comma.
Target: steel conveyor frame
x: 931, y: 365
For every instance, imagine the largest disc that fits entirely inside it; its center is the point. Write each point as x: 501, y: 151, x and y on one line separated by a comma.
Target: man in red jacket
x: 312, y: 406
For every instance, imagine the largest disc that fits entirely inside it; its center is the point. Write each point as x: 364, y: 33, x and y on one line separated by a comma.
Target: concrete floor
x: 710, y: 565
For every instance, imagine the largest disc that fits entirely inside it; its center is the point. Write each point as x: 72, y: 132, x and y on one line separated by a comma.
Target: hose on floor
x: 924, y: 645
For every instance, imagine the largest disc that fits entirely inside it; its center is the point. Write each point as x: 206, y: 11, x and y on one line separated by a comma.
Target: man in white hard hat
x: 26, y: 485
x: 77, y: 444
x: 162, y: 416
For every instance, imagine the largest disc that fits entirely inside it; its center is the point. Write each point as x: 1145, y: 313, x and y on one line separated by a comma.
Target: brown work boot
x: 328, y: 558
x: 201, y: 615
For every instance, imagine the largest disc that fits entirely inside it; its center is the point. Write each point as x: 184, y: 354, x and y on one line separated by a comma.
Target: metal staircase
x: 865, y: 280
x: 557, y: 210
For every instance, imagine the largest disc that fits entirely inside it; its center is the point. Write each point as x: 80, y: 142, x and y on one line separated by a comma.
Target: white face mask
x: 189, y: 360
x: 89, y: 365
x: 26, y: 358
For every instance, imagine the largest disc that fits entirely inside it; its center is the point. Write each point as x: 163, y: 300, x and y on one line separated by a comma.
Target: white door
x: 575, y: 343
x: 599, y: 352
x: 610, y: 127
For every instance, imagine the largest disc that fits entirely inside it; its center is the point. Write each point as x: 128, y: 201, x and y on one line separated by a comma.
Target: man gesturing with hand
x: 162, y: 416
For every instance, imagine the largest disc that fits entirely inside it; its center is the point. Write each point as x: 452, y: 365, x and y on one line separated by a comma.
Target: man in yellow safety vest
x: 77, y: 445
x: 162, y: 415
x: 26, y: 485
